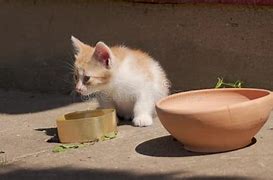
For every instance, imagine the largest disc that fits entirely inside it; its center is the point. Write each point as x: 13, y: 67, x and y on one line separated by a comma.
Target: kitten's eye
x: 86, y: 79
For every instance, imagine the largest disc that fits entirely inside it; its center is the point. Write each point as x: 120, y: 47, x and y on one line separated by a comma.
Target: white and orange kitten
x: 128, y: 80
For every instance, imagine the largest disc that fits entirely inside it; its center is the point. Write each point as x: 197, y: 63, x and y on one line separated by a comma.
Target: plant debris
x: 64, y: 147
x: 109, y: 136
x: 3, y: 161
x: 2, y: 152
x: 221, y: 84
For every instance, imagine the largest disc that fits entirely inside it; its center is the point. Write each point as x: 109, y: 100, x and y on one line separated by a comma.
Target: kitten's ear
x: 78, y: 45
x: 103, y: 54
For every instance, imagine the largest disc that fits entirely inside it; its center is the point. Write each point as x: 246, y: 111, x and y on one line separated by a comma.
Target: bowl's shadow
x: 52, y: 132
x: 167, y: 146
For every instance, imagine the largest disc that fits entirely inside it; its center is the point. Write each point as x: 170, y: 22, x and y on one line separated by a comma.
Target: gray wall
x: 194, y: 43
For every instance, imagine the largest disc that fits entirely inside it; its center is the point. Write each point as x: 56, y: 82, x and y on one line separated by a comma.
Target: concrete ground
x: 27, y: 121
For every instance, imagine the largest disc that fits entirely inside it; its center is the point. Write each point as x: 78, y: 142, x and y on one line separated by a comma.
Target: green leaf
x: 221, y: 84
x: 64, y: 147
x: 109, y: 136
x: 57, y: 149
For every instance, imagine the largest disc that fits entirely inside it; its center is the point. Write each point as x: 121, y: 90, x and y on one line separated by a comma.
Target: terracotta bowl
x: 215, y: 120
x: 86, y: 126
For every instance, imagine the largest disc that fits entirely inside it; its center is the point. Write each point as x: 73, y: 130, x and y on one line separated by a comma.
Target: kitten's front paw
x: 143, y: 120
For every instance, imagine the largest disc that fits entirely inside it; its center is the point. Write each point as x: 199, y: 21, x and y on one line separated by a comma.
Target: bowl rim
x: 106, y: 111
x: 221, y: 108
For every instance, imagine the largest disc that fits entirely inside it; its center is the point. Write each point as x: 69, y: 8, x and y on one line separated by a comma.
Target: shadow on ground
x: 167, y: 146
x: 68, y: 173
x: 52, y: 133
x: 15, y: 102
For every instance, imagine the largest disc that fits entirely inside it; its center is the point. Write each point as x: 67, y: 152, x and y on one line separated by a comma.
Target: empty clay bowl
x: 86, y: 126
x: 215, y: 120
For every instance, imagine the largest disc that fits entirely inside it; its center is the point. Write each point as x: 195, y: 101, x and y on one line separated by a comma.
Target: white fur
x: 132, y: 94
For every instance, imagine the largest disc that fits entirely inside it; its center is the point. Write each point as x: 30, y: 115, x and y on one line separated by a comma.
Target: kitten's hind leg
x: 143, y: 111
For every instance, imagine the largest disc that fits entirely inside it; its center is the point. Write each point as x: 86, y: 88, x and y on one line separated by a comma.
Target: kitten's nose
x: 79, y: 87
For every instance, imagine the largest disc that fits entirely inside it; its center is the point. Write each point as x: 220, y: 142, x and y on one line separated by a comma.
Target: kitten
x: 128, y: 80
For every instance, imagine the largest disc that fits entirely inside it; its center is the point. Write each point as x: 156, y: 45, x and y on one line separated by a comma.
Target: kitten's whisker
x: 71, y: 66
x: 69, y: 82
x: 71, y: 72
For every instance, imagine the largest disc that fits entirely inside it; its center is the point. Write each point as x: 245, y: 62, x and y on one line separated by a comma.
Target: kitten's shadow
x: 122, y: 121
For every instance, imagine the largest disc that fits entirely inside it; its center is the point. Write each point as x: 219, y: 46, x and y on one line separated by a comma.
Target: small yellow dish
x: 86, y: 126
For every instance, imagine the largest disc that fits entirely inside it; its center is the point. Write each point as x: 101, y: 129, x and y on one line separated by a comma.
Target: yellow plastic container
x: 86, y: 126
